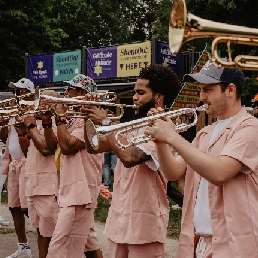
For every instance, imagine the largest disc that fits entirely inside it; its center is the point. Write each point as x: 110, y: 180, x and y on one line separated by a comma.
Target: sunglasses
x: 19, y: 92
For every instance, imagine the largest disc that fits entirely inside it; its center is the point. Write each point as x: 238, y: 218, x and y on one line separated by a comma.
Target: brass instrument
x: 17, y: 101
x: 93, y: 133
x: 75, y: 103
x: 184, y: 26
x: 104, y: 96
x: 22, y: 107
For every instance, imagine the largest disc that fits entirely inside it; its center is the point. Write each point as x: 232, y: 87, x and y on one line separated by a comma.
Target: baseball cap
x: 84, y: 82
x: 210, y: 74
x: 24, y: 84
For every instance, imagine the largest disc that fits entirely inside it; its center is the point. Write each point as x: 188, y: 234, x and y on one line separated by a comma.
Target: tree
x: 25, y: 28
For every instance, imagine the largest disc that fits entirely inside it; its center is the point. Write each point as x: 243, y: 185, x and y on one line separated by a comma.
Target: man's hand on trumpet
x: 95, y: 114
x: 161, y: 129
x: 60, y: 109
x: 46, y: 112
x: 20, y: 127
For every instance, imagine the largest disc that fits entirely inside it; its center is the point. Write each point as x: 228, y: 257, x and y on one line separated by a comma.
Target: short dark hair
x: 224, y: 85
x: 162, y: 80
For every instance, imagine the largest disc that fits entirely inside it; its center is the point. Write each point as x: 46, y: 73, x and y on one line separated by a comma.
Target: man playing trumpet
x: 220, y: 211
x: 136, y: 226
x: 41, y: 172
x: 80, y: 178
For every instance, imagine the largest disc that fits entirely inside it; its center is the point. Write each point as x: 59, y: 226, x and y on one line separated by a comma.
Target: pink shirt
x: 80, y: 173
x: 234, y: 205
x: 40, y: 171
x: 139, y: 210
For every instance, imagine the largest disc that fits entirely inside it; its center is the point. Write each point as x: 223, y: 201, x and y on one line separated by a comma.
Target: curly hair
x: 162, y: 80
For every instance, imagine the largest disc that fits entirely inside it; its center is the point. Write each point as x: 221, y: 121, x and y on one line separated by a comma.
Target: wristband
x: 22, y: 136
x: 3, y: 123
x: 60, y: 120
x: 157, y: 141
x: 31, y: 126
x: 47, y: 124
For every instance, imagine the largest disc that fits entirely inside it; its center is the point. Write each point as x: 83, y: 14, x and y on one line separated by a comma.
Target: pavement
x: 8, y: 241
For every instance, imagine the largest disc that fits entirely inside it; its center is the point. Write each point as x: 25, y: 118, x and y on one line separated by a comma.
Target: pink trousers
x: 149, y: 250
x: 43, y: 211
x: 71, y: 233
x: 16, y: 184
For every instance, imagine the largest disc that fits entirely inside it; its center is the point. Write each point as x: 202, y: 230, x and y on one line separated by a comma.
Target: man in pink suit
x: 136, y: 226
x: 41, y: 173
x: 80, y: 178
x: 220, y: 167
x: 13, y: 166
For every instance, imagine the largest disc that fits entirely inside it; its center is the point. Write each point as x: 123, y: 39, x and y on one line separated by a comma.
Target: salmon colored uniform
x: 41, y: 188
x: 233, y: 205
x: 15, y: 170
x: 139, y: 211
x: 80, y: 178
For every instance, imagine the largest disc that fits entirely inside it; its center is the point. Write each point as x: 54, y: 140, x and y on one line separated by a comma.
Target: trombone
x: 18, y: 100
x: 93, y: 133
x: 184, y: 26
x: 75, y: 103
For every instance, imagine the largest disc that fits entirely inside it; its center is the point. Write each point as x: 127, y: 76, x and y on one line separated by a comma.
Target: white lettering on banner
x: 101, y: 55
x: 140, y: 50
x: 166, y: 51
x: 103, y: 62
x: 169, y: 61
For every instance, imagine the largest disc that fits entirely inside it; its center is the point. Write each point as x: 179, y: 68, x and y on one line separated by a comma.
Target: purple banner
x: 165, y: 57
x: 102, y: 62
x: 40, y: 68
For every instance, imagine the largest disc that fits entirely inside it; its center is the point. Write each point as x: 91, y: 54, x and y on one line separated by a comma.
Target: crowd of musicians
x: 54, y: 172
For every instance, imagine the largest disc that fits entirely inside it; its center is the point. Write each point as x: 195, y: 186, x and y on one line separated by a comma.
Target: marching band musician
x: 80, y: 178
x: 13, y: 165
x: 220, y: 211
x: 41, y: 173
x: 136, y: 226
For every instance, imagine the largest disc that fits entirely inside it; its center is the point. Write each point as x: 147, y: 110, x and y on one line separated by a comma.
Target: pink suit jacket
x: 233, y: 205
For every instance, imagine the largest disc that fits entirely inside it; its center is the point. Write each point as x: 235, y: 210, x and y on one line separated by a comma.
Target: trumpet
x: 184, y: 26
x: 75, y: 102
x: 104, y: 96
x: 18, y: 100
x: 93, y: 133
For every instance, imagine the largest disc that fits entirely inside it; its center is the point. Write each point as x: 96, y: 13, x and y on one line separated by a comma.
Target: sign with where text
x: 102, y: 62
x: 66, y: 65
x: 40, y: 68
x: 132, y: 58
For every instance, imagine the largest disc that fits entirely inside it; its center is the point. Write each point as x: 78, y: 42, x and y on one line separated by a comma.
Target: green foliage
x: 37, y: 27
x: 25, y: 28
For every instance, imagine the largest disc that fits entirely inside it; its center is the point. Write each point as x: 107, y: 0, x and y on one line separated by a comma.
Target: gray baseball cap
x: 210, y: 74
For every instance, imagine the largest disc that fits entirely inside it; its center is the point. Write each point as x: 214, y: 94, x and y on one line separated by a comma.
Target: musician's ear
x: 159, y: 98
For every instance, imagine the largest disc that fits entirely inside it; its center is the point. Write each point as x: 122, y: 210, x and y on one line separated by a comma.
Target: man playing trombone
x: 136, y: 226
x: 13, y: 165
x: 220, y: 208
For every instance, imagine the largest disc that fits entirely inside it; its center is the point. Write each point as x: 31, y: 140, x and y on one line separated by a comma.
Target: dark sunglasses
x: 16, y: 92
x: 19, y: 92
